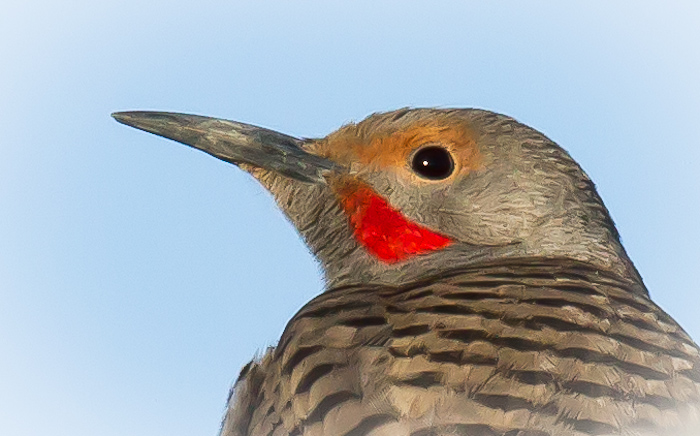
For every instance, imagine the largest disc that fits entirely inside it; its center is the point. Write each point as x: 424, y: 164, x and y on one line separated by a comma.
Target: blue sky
x: 137, y: 276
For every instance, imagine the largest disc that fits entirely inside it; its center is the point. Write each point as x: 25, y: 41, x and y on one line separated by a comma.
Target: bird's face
x: 409, y: 193
x: 435, y: 170
x: 398, y: 180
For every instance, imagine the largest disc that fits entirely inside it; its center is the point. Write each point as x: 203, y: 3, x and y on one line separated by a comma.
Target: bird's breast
x: 491, y: 351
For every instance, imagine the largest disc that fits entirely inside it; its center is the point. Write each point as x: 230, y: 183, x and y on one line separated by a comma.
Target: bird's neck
x: 326, y: 228
x: 361, y: 269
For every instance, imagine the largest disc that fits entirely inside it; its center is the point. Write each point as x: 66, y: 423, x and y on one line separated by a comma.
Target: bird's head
x: 417, y: 192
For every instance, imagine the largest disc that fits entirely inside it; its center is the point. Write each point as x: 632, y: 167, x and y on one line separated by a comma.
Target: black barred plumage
x: 549, y: 347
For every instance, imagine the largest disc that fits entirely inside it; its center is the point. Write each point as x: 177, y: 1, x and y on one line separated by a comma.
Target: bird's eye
x: 434, y: 163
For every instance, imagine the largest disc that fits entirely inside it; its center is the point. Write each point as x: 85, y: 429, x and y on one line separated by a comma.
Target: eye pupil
x: 434, y: 163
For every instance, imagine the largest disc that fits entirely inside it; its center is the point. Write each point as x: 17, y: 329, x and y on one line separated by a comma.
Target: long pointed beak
x: 234, y: 142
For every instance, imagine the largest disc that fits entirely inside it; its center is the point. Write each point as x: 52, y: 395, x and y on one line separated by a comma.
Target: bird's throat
x: 383, y: 230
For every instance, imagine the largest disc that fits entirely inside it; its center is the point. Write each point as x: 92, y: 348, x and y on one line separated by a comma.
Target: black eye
x: 434, y: 163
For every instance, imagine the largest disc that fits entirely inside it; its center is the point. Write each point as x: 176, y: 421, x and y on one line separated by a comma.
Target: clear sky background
x: 137, y: 275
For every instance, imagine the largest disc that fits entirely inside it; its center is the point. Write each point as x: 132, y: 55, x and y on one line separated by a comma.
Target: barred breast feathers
x: 549, y: 347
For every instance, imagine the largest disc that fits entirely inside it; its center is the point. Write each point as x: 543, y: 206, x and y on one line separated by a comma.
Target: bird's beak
x: 234, y: 142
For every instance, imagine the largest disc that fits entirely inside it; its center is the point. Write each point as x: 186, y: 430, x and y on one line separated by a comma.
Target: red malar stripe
x: 384, y: 231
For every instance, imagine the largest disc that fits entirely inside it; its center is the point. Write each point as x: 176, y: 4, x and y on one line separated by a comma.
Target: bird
x: 475, y: 284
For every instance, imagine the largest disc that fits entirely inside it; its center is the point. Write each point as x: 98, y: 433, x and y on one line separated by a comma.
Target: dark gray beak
x: 234, y: 142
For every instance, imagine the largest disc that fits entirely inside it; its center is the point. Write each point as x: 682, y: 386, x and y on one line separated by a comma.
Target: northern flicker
x: 476, y: 285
